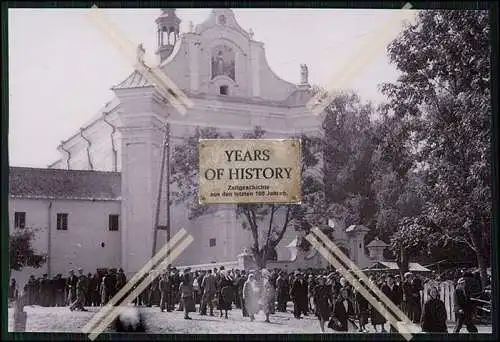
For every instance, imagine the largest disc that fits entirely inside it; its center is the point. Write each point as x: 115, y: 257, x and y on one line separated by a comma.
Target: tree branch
x: 269, y: 230
x: 283, y: 229
x: 253, y: 228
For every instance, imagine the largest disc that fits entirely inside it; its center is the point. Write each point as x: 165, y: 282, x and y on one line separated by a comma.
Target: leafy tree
x: 21, y: 252
x: 443, y: 99
x: 266, y: 222
x: 349, y: 146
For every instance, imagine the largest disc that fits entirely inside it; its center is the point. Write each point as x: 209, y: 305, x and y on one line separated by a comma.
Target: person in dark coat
x: 187, y: 295
x: 30, y: 289
x: 322, y: 298
x: 433, y: 318
x: 362, y: 308
x: 176, y: 282
x: 464, y: 308
x: 282, y: 292
x: 376, y: 316
x: 110, y: 282
x: 45, y: 291
x: 343, y: 308
x: 164, y: 287
x: 298, y: 293
x: 209, y: 284
x: 411, y: 297
x: 226, y: 293
x: 121, y: 280
x: 59, y: 284
x: 393, y: 292
x: 239, y: 286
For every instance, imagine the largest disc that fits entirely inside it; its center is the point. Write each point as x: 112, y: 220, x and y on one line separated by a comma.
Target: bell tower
x: 168, y: 33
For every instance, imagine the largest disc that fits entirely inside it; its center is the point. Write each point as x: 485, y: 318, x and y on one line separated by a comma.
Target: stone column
x: 142, y: 131
x: 246, y: 261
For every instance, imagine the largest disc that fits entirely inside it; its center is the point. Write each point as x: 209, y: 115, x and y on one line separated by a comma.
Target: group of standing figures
x: 327, y: 295
x: 77, y: 290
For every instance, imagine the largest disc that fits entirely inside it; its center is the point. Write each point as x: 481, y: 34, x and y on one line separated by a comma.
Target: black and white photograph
x: 109, y: 230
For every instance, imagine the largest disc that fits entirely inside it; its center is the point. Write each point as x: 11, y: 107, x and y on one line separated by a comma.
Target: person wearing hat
x: 393, y: 292
x: 322, y: 298
x: 298, y: 294
x: 209, y: 285
x: 411, y: 297
x: 464, y: 308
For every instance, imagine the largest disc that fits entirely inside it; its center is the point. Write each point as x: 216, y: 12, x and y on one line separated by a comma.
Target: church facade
x: 224, y: 72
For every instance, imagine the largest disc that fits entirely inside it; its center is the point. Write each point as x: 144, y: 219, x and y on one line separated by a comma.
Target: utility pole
x: 169, y: 169
x: 160, y: 187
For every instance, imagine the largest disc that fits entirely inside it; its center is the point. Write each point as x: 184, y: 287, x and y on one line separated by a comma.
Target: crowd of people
x: 323, y: 293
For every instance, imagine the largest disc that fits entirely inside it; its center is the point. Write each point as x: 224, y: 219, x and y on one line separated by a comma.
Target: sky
x: 61, y: 67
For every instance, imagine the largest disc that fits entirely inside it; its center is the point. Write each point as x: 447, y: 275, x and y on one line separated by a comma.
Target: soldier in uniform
x: 110, y: 282
x: 81, y: 289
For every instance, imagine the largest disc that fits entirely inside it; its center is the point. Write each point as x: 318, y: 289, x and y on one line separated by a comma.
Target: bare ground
x: 61, y: 319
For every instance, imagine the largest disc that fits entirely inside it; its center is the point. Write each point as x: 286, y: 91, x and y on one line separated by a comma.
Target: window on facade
x: 114, y: 222
x: 212, y: 242
x: 19, y: 219
x: 62, y: 221
x: 223, y: 90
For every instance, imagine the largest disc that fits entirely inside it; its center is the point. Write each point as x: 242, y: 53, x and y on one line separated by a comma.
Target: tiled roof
x: 35, y: 183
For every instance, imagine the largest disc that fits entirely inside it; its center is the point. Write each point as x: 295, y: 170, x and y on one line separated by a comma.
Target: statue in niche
x: 223, y: 62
